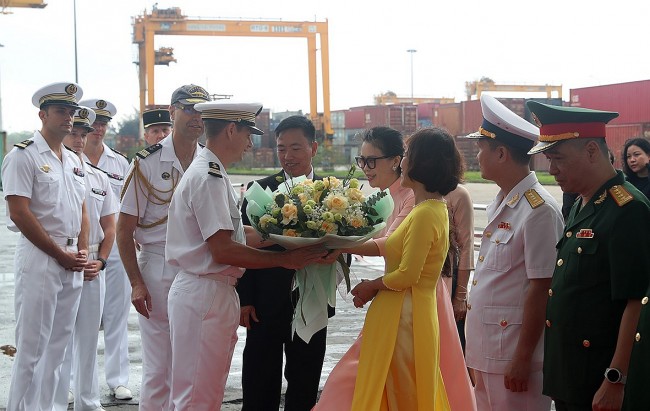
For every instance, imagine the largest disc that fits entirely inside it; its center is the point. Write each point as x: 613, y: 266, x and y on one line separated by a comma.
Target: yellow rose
x: 303, y: 198
x: 308, y: 183
x: 290, y: 213
x: 337, y: 203
x: 355, y: 194
x: 330, y: 228
x: 266, y: 219
x: 334, y: 182
x: 290, y: 232
x: 357, y: 222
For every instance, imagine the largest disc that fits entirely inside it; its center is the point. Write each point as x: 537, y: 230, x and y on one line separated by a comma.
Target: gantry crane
x: 34, y: 4
x: 486, y: 84
x: 172, y: 22
x: 390, y: 97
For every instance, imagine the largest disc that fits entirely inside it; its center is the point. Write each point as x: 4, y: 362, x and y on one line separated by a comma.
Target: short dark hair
x: 215, y: 127
x: 434, y: 160
x: 520, y: 156
x: 388, y: 140
x: 300, y: 122
x: 642, y: 143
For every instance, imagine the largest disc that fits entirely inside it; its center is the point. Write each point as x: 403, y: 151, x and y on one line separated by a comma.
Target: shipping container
x: 617, y: 135
x: 263, y: 121
x: 354, y: 118
x: 471, y: 115
x: 337, y: 119
x: 375, y: 116
x: 353, y: 136
x: 403, y: 118
x: 631, y: 100
x: 539, y: 162
x: 449, y: 117
x: 426, y: 110
x: 339, y: 137
x: 468, y: 150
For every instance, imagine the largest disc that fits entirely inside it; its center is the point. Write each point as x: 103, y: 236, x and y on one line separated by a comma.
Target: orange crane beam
x: 478, y: 87
x: 33, y: 4
x: 172, y: 22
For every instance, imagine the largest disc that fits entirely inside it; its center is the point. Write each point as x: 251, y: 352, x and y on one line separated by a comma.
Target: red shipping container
x: 472, y: 116
x: 354, y: 118
x: 449, y: 117
x: 617, y: 135
x: 426, y: 110
x: 631, y: 100
x: 375, y: 116
x: 516, y: 105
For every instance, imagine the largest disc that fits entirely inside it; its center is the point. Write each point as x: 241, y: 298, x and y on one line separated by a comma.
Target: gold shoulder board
x: 149, y: 150
x: 620, y: 195
x: 533, y: 198
x: 23, y: 144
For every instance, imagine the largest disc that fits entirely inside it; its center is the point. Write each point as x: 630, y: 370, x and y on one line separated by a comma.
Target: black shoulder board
x: 149, y: 150
x: 118, y: 152
x: 95, y: 167
x: 69, y: 149
x: 23, y: 144
x: 214, y: 170
x: 201, y: 145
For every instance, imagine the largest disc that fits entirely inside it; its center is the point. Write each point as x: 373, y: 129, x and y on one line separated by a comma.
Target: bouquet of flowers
x: 331, y: 212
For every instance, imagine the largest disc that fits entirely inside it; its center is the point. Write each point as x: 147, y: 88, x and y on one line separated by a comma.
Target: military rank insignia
x: 99, y: 191
x: 115, y: 176
x: 533, y: 198
x: 513, y: 200
x: 214, y: 169
x: 585, y: 233
x: 78, y: 172
x: 24, y: 144
x: 620, y: 195
x: 149, y: 150
x: 45, y: 168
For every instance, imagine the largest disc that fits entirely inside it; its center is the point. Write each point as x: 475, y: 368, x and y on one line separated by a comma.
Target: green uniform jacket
x: 602, y: 262
x: 637, y: 392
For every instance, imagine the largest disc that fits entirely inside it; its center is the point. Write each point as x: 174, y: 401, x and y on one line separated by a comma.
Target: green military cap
x: 558, y: 123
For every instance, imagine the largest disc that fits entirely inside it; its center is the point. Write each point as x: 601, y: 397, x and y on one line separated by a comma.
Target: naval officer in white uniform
x: 506, y: 307
x: 45, y: 189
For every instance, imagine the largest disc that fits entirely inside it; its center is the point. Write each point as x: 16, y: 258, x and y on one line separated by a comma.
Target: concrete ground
x: 343, y: 328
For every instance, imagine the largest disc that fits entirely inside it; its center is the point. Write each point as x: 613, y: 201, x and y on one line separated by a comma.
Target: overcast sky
x: 573, y: 43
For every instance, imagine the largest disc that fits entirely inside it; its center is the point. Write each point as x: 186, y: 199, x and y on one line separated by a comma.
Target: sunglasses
x: 370, y: 162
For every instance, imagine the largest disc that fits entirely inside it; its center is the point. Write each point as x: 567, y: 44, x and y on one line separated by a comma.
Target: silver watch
x: 615, y: 376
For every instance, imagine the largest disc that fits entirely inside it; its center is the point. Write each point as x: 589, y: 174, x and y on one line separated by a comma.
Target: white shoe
x: 70, y: 397
x: 122, y: 393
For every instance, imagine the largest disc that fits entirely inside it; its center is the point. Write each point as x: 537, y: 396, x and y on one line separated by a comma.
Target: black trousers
x: 262, y: 368
x: 563, y: 406
x: 461, y: 323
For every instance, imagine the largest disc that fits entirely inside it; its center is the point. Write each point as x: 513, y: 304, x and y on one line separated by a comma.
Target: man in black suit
x: 267, y: 302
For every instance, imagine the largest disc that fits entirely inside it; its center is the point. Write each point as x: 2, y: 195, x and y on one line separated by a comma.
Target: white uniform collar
x: 41, y: 143
x: 107, y: 150
x: 516, y: 194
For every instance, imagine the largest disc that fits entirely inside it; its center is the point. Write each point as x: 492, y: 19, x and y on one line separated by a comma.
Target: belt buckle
x: 70, y: 242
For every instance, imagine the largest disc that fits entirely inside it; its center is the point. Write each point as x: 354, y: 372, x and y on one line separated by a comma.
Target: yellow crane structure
x: 485, y: 84
x: 172, y: 22
x: 390, y: 97
x: 34, y: 4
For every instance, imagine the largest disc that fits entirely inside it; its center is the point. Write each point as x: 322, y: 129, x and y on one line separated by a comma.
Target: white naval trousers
x: 491, y: 394
x: 46, y: 302
x: 117, y: 305
x: 80, y: 363
x: 204, y: 316
x: 158, y: 276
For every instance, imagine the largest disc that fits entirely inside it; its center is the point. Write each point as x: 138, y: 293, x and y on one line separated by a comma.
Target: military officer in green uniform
x: 602, y: 267
x: 637, y: 394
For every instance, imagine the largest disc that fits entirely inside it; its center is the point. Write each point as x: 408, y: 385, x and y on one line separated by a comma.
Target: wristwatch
x: 103, y: 263
x: 615, y: 376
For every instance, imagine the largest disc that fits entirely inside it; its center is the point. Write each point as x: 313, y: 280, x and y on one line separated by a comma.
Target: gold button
x: 548, y: 323
x: 481, y: 258
x: 579, y: 250
x: 550, y: 292
x: 644, y: 301
x: 569, y: 234
x: 474, y: 282
x: 488, y: 234
x: 586, y: 343
x: 560, y: 262
x: 503, y: 323
x: 637, y: 337
x: 497, y: 241
x: 469, y: 306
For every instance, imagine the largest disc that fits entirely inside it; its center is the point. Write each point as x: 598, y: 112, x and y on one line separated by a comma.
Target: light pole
x: 411, y: 51
x: 76, y: 70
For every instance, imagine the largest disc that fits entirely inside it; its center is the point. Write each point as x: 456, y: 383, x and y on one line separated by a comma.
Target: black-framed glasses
x: 187, y: 109
x: 370, y: 162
